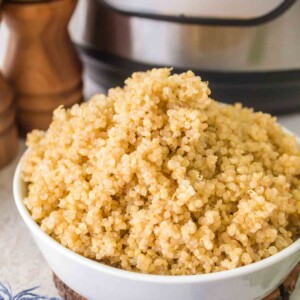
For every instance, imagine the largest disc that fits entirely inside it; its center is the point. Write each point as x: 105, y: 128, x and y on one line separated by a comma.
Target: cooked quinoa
x: 158, y: 178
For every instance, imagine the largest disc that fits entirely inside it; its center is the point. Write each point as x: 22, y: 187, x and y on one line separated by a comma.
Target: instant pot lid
x: 269, y: 47
x: 241, y: 12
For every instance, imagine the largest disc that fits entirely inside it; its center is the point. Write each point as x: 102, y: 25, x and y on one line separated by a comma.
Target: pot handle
x: 211, y: 12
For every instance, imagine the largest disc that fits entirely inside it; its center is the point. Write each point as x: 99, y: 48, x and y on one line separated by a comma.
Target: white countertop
x: 21, y: 264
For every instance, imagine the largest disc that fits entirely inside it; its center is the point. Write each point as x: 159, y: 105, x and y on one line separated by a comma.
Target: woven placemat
x: 282, y: 293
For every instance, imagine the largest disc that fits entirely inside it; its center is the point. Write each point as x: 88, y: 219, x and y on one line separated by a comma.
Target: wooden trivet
x: 282, y: 293
x: 64, y: 291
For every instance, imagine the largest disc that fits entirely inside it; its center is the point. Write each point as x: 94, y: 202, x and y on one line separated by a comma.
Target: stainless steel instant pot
x: 248, y: 50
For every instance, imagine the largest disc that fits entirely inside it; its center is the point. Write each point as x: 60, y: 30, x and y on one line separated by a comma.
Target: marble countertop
x: 22, y: 266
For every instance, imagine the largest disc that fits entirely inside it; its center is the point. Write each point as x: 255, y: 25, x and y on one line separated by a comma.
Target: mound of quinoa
x: 158, y: 178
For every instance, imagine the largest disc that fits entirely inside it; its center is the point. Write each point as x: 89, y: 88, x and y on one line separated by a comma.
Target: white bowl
x: 95, y: 281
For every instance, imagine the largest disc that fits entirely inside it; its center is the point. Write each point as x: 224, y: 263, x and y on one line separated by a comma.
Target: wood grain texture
x: 283, y: 292
x: 64, y: 291
x: 8, y: 132
x: 40, y: 60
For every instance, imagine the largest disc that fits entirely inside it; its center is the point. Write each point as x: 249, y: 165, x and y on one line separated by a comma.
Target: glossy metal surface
x: 269, y: 47
x: 241, y: 9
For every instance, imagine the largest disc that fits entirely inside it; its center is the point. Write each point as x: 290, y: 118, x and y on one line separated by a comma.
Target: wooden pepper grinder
x: 41, y: 62
x: 8, y: 131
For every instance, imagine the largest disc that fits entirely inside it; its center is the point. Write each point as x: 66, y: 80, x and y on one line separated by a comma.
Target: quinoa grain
x: 158, y: 178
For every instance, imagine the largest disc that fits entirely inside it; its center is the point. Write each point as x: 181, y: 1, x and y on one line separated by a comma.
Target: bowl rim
x: 36, y: 231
